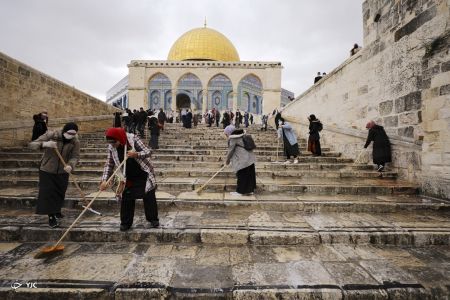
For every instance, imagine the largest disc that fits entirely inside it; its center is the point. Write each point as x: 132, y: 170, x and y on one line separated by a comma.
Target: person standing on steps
x: 140, y: 176
x: 217, y: 117
x: 242, y: 161
x: 290, y: 145
x: 277, y: 118
x: 251, y: 119
x: 238, y: 119
x: 226, y: 119
x: 188, y: 119
x: 315, y: 126
x: 264, y: 119
x: 117, y: 122
x: 381, y: 145
x: 53, y: 176
x: 40, y: 125
x: 246, y: 119
x: 161, y: 118
x: 154, y: 127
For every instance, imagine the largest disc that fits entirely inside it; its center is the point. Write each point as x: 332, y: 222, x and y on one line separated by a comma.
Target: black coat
x: 117, y: 122
x: 277, y: 118
x: 188, y: 120
x: 225, y: 119
x: 161, y: 117
x: 314, y: 127
x: 381, y: 145
x: 39, y: 128
x: 153, y: 126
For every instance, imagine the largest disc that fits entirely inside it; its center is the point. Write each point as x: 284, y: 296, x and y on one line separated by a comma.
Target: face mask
x: 68, y: 136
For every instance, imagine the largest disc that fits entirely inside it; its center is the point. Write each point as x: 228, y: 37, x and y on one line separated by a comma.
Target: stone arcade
x: 203, y: 71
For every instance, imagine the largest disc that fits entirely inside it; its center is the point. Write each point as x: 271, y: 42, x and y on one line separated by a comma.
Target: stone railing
x: 18, y: 133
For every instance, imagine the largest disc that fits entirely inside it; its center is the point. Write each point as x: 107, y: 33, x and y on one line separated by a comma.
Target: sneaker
x: 52, y: 222
x: 287, y: 162
x: 235, y: 194
x: 124, y: 227
x: 59, y: 215
x: 250, y: 194
x: 295, y: 161
x: 155, y: 224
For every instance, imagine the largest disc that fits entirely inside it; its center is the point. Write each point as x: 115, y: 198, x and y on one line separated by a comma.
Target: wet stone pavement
x: 136, y: 270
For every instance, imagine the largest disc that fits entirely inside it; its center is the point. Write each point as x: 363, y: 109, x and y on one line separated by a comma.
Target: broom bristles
x: 49, y: 251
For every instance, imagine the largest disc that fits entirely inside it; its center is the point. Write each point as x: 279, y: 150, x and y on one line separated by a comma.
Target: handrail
x: 394, y: 139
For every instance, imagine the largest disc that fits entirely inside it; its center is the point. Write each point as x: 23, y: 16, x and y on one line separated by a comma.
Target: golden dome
x: 203, y: 44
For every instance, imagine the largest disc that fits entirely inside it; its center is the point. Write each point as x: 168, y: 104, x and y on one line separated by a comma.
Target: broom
x: 75, y: 181
x: 206, y: 183
x: 49, y: 251
x: 357, y: 160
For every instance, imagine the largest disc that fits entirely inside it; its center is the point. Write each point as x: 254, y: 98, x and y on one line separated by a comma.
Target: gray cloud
x: 88, y: 43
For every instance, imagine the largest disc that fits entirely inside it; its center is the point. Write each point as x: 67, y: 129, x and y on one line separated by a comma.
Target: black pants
x: 246, y: 180
x: 129, y: 196
x: 154, y: 141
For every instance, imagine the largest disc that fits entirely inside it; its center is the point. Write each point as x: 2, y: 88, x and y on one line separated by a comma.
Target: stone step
x: 329, y: 157
x: 321, y: 186
x: 238, y: 226
x: 16, y: 198
x: 202, y: 172
x: 139, y: 270
x: 303, y: 165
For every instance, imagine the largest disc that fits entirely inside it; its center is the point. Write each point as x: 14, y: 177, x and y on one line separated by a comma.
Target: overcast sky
x: 88, y: 43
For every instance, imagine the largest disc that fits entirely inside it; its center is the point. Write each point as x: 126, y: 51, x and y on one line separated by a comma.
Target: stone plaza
x: 328, y: 227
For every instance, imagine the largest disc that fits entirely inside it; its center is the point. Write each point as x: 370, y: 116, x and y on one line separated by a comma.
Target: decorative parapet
x: 203, y: 64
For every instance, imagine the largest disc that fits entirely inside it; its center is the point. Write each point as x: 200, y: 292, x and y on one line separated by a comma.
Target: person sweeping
x: 242, y: 161
x: 53, y: 175
x: 140, y: 181
x: 381, y: 145
x: 289, y: 138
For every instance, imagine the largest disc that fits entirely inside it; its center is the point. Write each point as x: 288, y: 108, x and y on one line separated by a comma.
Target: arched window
x: 219, y: 87
x: 250, y: 94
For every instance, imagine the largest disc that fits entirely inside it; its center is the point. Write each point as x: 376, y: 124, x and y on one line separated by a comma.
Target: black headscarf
x: 312, y: 117
x: 67, y: 127
x: 70, y: 126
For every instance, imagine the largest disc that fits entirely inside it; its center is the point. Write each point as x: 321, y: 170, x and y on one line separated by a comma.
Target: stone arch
x: 159, y: 85
x: 250, y: 94
x: 190, y: 85
x: 219, y: 86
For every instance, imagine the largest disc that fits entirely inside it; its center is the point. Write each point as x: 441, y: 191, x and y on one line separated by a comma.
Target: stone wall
x: 400, y: 79
x: 25, y: 91
x: 18, y: 133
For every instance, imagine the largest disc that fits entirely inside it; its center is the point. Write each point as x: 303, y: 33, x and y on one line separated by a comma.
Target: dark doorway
x: 183, y: 101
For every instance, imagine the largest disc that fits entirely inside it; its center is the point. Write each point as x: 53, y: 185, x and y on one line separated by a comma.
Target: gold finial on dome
x: 203, y: 44
x: 205, y: 23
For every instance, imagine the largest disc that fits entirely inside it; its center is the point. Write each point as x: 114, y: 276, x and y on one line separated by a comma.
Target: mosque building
x: 202, y: 71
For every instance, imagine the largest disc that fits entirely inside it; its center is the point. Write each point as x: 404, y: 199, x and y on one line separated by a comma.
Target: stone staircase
x: 324, y: 228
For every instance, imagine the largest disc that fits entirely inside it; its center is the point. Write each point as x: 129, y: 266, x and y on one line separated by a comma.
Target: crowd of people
x: 128, y: 150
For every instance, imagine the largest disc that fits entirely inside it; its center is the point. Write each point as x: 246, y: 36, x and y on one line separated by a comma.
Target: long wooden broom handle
x: 203, y: 186
x: 75, y: 181
x: 89, y: 205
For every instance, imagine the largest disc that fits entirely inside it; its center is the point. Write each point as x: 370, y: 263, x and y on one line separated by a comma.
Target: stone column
x: 204, y: 100
x: 173, y: 105
x: 235, y: 104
